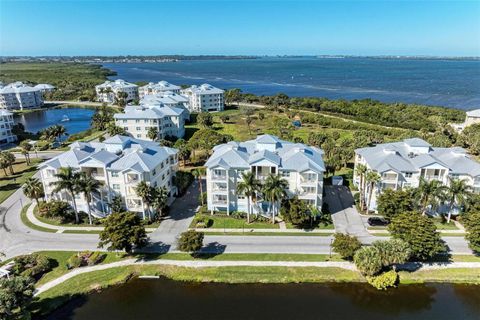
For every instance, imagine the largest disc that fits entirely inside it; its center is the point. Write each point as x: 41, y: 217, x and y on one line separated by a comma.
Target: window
x: 116, y: 187
x: 154, y: 172
x: 124, y: 121
x: 139, y: 135
x: 114, y: 174
x: 163, y: 177
x: 455, y: 176
x: 138, y: 128
x: 125, y: 128
x: 408, y: 174
x: 137, y: 121
x: 285, y: 174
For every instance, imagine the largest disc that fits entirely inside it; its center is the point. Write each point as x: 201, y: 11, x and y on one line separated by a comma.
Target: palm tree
x: 430, y: 192
x: 361, y: 171
x: 457, y: 192
x: 7, y: 159
x: 88, y: 185
x: 275, y: 190
x: 152, y: 133
x: 160, y: 200
x: 198, y: 174
x: 33, y: 189
x: 26, y: 147
x: 67, y: 179
x: 371, y: 178
x: 144, y: 191
x: 249, y: 186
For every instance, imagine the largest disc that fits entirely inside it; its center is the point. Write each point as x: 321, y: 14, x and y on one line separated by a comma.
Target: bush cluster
x: 86, y: 258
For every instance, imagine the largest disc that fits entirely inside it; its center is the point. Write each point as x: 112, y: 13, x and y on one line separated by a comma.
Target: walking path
x: 250, y: 230
x: 205, y: 263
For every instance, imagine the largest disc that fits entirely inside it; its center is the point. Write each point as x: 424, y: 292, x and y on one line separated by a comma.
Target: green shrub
x: 96, y: 258
x: 75, y: 261
x: 42, y: 145
x: 59, y: 210
x: 368, y: 260
x: 345, y: 245
x: 32, y: 265
x: 202, y: 222
x: 384, y: 281
x: 190, y: 241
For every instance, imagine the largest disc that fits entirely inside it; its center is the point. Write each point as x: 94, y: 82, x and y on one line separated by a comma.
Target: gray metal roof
x: 401, y: 157
x: 142, y: 155
x: 286, y: 155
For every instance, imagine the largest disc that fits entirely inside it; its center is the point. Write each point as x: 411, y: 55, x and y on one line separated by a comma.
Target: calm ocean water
x: 432, y: 82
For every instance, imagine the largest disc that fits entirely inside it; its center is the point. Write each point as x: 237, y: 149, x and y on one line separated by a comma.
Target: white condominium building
x: 137, y: 120
x: 403, y: 164
x: 159, y: 87
x: 44, y: 87
x: 473, y: 117
x: 301, y: 165
x: 19, y: 96
x: 6, y: 124
x: 204, y: 98
x: 109, y: 90
x: 168, y: 99
x: 119, y: 164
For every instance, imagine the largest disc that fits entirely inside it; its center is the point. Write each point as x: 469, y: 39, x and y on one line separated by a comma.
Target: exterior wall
x: 168, y: 126
x: 222, y: 192
x: 21, y: 100
x: 471, y: 120
x: 204, y: 101
x: 6, y: 124
x: 145, y: 91
x: 131, y: 90
x: 404, y: 180
x: 116, y: 183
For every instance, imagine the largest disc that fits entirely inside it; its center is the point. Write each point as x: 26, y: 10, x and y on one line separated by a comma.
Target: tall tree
x: 361, y: 170
x: 152, y: 133
x: 159, y: 201
x: 372, y: 178
x: 7, y: 159
x: 205, y: 119
x: 274, y: 190
x: 458, y: 193
x: 123, y: 231
x: 16, y: 293
x: 88, y: 185
x: 33, y: 189
x: 26, y: 147
x: 430, y: 193
x: 67, y: 180
x: 198, y: 173
x: 249, y: 186
x: 146, y: 192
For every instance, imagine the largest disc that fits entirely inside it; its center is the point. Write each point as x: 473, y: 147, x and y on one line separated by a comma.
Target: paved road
x: 80, y: 103
x: 16, y: 238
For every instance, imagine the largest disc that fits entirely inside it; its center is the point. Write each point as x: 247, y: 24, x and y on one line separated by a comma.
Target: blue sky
x: 398, y: 27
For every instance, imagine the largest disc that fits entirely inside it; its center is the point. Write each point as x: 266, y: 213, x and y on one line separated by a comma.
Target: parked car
x: 377, y: 221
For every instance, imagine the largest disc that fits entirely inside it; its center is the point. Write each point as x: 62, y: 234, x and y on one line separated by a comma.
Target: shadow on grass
x: 209, y: 251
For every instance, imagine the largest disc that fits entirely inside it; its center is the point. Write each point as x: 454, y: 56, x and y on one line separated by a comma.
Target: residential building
x: 204, y: 98
x: 44, y: 87
x: 20, y: 96
x: 119, y: 164
x: 159, y: 87
x: 6, y: 124
x: 301, y: 165
x: 168, y: 99
x: 473, y: 117
x: 109, y: 90
x: 137, y: 120
x: 402, y: 165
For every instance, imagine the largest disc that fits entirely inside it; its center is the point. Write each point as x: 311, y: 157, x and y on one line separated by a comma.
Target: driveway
x: 181, y: 215
x: 344, y: 213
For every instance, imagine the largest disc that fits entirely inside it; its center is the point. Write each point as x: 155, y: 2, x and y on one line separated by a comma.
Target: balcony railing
x: 219, y: 188
x: 219, y: 202
x: 219, y: 177
x: 432, y: 177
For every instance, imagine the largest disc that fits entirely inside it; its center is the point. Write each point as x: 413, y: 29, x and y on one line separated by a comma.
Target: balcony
x: 221, y: 177
x: 433, y: 177
x: 219, y: 187
x: 219, y: 201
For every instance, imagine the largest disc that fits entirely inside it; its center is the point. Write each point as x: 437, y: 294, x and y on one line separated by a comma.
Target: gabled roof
x: 474, y: 113
x: 267, y: 138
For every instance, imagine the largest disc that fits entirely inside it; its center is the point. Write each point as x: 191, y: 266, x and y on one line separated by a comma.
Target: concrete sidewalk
x: 251, y: 230
x: 60, y: 229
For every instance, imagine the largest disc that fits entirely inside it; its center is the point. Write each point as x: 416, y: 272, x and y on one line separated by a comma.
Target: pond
x: 167, y: 299
x: 78, y: 119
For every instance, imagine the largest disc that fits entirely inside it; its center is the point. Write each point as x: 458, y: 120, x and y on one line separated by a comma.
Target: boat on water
x: 65, y: 118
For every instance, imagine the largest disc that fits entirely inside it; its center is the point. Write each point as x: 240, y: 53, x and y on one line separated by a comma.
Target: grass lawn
x: 322, y: 226
x: 93, y: 281
x: 221, y: 222
x: 23, y: 217
x: 460, y: 275
x: 11, y: 183
x: 443, y: 225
